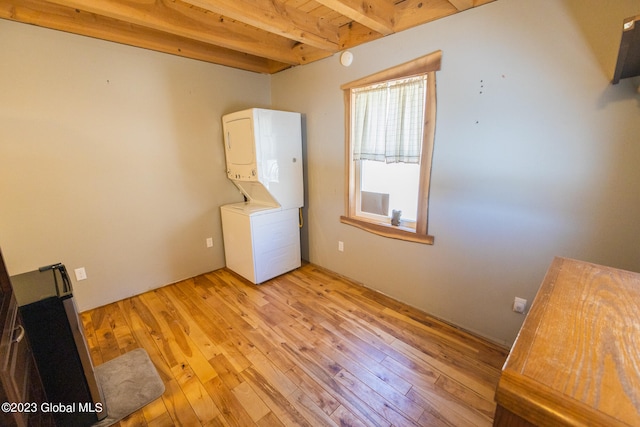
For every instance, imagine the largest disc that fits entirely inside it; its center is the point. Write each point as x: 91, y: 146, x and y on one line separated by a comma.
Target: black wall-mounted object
x: 628, y: 64
x: 47, y: 307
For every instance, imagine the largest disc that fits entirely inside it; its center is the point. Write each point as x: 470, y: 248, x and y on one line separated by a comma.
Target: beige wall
x: 111, y: 158
x: 536, y: 155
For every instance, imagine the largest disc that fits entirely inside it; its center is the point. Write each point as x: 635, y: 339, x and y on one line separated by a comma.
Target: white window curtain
x: 388, y: 121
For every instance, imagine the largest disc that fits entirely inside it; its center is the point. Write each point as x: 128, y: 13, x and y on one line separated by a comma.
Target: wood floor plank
x: 320, y: 397
x: 439, y: 405
x: 192, y: 328
x: 310, y: 411
x: 91, y: 338
x: 178, y: 405
x: 460, y: 353
x: 274, y: 398
x: 134, y: 420
x: 196, y: 394
x: 199, y: 317
x: 103, y: 329
x: 250, y: 400
x: 324, y: 370
x: 271, y: 373
x: 352, y: 345
x: 306, y: 348
x: 233, y: 411
x: 374, y: 375
x: 176, y: 335
x: 466, y: 396
x: 385, y: 408
x: 154, y: 410
x: 162, y: 421
x: 463, y: 377
x: 145, y: 338
x: 345, y: 418
x: 269, y: 420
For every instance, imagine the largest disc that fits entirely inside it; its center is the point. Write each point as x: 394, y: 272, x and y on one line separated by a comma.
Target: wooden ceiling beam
x: 462, y: 4
x: 47, y: 15
x: 355, y: 34
x: 379, y: 15
x: 264, y: 36
x: 184, y: 20
x: 411, y: 13
x: 276, y: 17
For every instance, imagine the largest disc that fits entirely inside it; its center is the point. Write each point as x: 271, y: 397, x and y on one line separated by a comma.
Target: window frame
x: 428, y: 65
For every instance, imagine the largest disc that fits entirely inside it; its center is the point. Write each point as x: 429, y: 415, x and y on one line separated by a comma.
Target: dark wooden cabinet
x: 20, y: 382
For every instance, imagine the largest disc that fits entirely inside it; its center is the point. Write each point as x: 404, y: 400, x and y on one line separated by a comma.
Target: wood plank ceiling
x: 264, y: 36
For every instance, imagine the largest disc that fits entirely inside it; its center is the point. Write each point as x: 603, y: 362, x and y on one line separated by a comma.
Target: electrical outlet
x: 81, y: 273
x: 209, y: 242
x: 341, y: 246
x: 519, y: 305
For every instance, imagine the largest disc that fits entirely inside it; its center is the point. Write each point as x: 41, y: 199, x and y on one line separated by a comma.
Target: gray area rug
x: 128, y: 383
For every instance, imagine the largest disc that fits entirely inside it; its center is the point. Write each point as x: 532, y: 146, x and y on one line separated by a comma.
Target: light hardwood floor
x: 308, y: 348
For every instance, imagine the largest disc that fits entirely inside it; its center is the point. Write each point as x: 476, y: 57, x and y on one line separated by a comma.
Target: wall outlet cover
x: 519, y: 305
x: 81, y: 273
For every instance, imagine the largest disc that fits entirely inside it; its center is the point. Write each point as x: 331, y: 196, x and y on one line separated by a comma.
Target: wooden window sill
x: 388, y: 230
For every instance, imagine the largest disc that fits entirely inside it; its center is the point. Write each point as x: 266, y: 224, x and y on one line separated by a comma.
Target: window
x: 390, y: 130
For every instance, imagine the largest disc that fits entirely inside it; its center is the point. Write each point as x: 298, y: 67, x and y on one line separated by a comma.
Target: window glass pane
x: 399, y: 180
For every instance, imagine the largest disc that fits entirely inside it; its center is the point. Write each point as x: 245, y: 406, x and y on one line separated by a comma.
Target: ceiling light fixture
x: 346, y: 58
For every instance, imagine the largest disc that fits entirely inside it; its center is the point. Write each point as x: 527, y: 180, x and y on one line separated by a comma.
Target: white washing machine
x: 261, y: 242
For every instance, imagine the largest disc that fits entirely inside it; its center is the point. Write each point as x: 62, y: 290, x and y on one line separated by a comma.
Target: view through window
x: 398, y: 182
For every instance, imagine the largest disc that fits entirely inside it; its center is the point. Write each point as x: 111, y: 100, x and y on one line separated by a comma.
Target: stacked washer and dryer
x: 263, y: 151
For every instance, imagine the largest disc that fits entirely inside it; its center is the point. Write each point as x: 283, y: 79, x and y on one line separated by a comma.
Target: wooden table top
x: 576, y: 360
